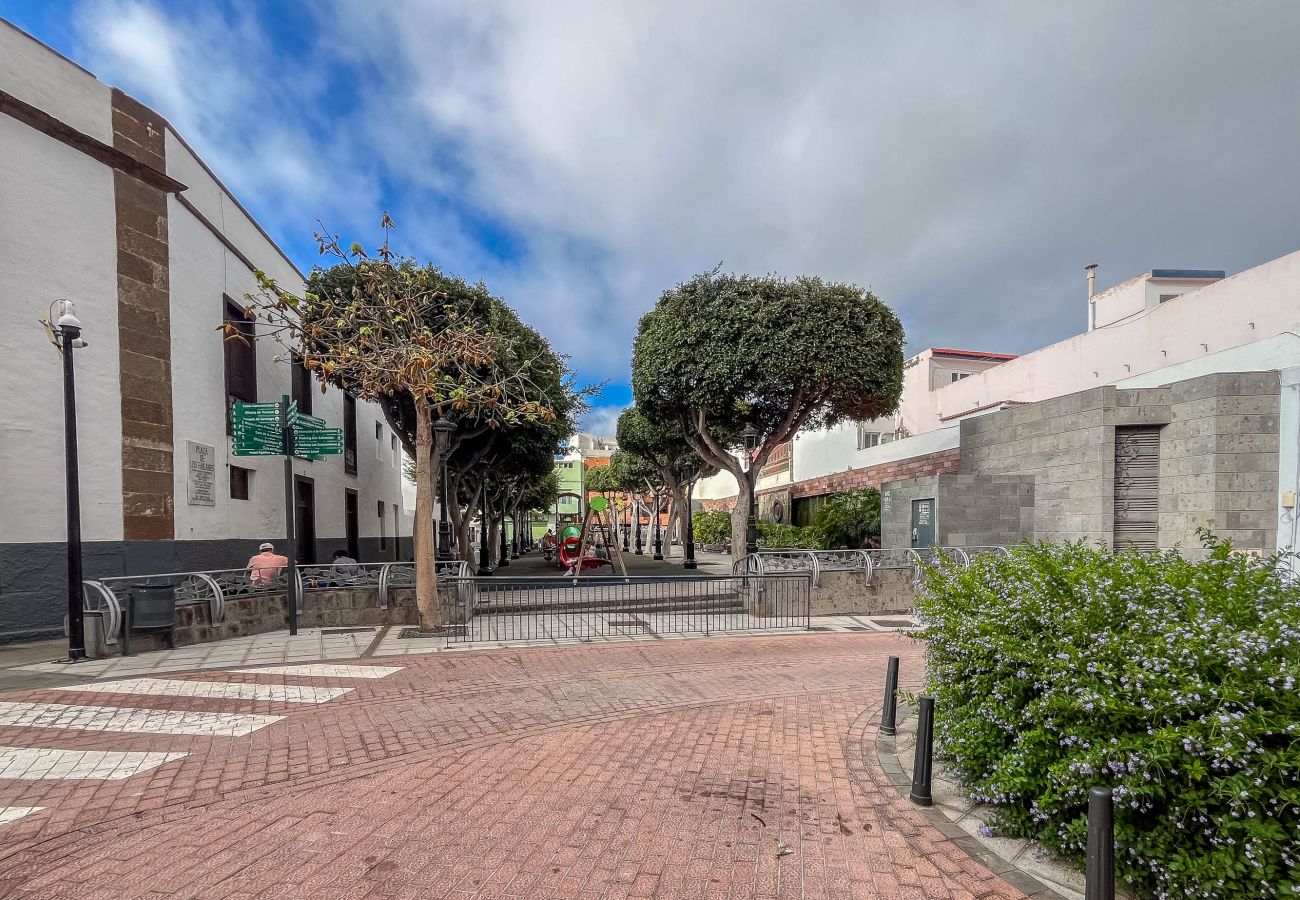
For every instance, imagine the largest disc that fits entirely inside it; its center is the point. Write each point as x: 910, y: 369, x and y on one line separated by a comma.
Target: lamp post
x: 627, y: 526
x: 750, y: 435
x: 659, y: 543
x: 637, y: 511
x: 484, y: 563
x: 514, y: 533
x: 442, y: 430
x: 503, y: 554
x: 689, y: 537
x: 67, y: 330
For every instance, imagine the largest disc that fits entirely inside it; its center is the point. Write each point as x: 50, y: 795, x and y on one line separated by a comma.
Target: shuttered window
x: 241, y: 354
x: 349, y: 434
x: 302, y: 392
x: 1137, y: 487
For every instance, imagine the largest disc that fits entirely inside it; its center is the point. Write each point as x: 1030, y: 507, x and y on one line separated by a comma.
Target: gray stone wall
x: 1219, y: 461
x: 844, y: 593
x: 970, y: 510
x: 1218, y: 457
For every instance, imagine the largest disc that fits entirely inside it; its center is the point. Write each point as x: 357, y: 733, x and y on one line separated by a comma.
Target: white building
x: 104, y: 204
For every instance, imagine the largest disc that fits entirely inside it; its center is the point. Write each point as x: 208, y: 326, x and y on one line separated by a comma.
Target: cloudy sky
x: 963, y: 159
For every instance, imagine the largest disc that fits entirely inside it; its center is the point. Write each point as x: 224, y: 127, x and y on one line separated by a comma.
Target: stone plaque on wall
x: 203, y: 474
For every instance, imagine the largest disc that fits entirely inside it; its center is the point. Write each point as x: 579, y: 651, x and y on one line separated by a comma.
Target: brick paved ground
x: 656, y: 769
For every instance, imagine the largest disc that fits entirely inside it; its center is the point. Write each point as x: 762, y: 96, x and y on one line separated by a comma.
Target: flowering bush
x: 1169, y: 681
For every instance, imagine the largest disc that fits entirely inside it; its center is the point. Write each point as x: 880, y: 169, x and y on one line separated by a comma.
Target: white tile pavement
x: 127, y: 719
x: 13, y: 813
x: 326, y: 670
x: 41, y: 763
x: 212, y: 690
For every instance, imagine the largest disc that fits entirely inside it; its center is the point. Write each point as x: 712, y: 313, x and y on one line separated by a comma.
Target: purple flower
x: 986, y: 831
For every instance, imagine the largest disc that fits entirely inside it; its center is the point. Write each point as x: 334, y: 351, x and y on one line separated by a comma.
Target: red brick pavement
x: 640, y: 770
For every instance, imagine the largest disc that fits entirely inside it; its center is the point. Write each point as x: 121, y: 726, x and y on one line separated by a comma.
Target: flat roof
x: 1189, y: 273
x: 970, y: 354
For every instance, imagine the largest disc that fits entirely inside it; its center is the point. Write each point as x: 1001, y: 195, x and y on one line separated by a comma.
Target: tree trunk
x: 740, y: 517
x: 494, y: 537
x: 677, y: 511
x: 426, y: 574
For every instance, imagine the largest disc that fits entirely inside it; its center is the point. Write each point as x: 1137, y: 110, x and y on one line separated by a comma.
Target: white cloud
x: 602, y: 421
x: 963, y: 160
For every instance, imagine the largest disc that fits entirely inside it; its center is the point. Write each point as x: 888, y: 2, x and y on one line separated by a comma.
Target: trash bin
x: 153, y: 606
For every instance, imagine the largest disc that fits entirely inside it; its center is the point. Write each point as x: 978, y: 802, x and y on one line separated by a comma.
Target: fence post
x: 1100, y: 870
x: 888, y: 726
x: 924, y: 758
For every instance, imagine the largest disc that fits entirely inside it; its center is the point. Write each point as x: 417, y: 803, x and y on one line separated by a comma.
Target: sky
x: 963, y: 159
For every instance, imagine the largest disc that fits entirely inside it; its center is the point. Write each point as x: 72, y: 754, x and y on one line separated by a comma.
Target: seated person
x: 344, y: 565
x: 266, y: 566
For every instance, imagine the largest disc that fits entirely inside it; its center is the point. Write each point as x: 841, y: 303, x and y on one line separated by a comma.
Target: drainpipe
x: 1092, y: 292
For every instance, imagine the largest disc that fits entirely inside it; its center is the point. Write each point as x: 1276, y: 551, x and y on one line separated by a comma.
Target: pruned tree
x: 384, y: 329
x: 721, y: 352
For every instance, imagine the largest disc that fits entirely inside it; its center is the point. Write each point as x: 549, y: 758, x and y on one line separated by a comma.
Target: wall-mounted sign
x: 203, y: 474
x: 886, y: 501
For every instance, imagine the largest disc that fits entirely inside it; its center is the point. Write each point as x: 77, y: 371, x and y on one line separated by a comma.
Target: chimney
x: 1092, y: 292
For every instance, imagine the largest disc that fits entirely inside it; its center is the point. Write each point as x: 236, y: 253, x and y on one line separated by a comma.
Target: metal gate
x: 505, y: 609
x: 1137, y: 487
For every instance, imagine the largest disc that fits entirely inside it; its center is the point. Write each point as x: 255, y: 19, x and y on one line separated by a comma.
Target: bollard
x: 924, y: 758
x: 1100, y: 868
x: 890, y: 711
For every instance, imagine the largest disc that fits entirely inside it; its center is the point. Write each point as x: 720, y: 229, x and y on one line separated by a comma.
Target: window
x: 958, y: 376
x: 301, y: 386
x: 867, y: 439
x: 383, y: 531
x: 397, y: 532
x: 379, y: 441
x: 239, y: 479
x: 886, y: 438
x: 241, y: 354
x: 349, y: 434
x: 1165, y: 298
x: 392, y: 443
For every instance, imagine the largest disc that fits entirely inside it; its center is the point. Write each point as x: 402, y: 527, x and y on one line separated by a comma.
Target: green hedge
x: 1171, y: 682
x: 711, y: 527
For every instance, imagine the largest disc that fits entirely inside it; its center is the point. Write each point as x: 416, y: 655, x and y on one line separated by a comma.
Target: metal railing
x: 803, y: 560
x: 591, y: 607
x: 107, y: 597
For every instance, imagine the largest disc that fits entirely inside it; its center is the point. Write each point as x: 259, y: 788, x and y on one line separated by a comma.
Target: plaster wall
x: 819, y: 453
x: 57, y: 240
x: 37, y: 75
x: 1250, y: 306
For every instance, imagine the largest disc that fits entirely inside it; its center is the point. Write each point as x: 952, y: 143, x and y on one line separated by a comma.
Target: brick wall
x: 943, y: 462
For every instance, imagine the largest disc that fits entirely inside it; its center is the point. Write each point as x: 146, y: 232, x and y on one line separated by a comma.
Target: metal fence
x: 589, y: 607
x: 766, y: 562
x: 107, y: 597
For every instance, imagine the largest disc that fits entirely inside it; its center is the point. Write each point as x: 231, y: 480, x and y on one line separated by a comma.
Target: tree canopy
x: 722, y: 352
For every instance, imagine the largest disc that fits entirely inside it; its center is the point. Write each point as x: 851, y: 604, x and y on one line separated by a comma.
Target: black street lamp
x: 503, y: 556
x: 659, y: 543
x: 750, y: 435
x: 627, y: 528
x: 688, y: 539
x: 67, y: 330
x: 442, y: 430
x: 484, y: 563
x: 636, y: 510
x: 514, y: 534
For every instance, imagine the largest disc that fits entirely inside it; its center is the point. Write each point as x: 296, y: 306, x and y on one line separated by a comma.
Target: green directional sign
x: 318, y: 440
x: 255, y: 429
x: 302, y: 420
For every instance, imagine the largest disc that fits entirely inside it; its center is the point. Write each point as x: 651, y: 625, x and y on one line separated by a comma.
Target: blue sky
x: 965, y: 161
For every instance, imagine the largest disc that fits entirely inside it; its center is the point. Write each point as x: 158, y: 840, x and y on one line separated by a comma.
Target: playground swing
x: 573, y: 548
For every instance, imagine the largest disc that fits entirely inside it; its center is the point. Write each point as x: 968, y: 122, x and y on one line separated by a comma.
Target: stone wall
x: 969, y: 510
x: 263, y: 613
x: 1218, y: 457
x: 843, y: 593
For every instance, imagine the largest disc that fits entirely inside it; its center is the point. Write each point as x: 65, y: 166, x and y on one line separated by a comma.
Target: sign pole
x: 291, y: 548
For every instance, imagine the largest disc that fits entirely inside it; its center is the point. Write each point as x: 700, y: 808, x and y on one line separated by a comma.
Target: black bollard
x: 923, y: 761
x: 890, y: 712
x: 1100, y: 867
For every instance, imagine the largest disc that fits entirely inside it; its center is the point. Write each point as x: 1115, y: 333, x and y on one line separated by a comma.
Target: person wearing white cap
x: 266, y: 566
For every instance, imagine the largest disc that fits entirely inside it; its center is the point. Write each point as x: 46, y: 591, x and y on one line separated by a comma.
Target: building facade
x: 104, y: 204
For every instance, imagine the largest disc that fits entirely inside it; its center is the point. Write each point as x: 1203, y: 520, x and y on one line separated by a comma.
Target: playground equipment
x: 574, y: 547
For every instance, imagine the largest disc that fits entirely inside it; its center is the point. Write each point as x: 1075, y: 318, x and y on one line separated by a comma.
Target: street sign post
x: 280, y: 429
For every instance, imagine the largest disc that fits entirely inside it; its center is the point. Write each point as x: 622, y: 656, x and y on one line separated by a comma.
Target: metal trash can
x: 153, y: 606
